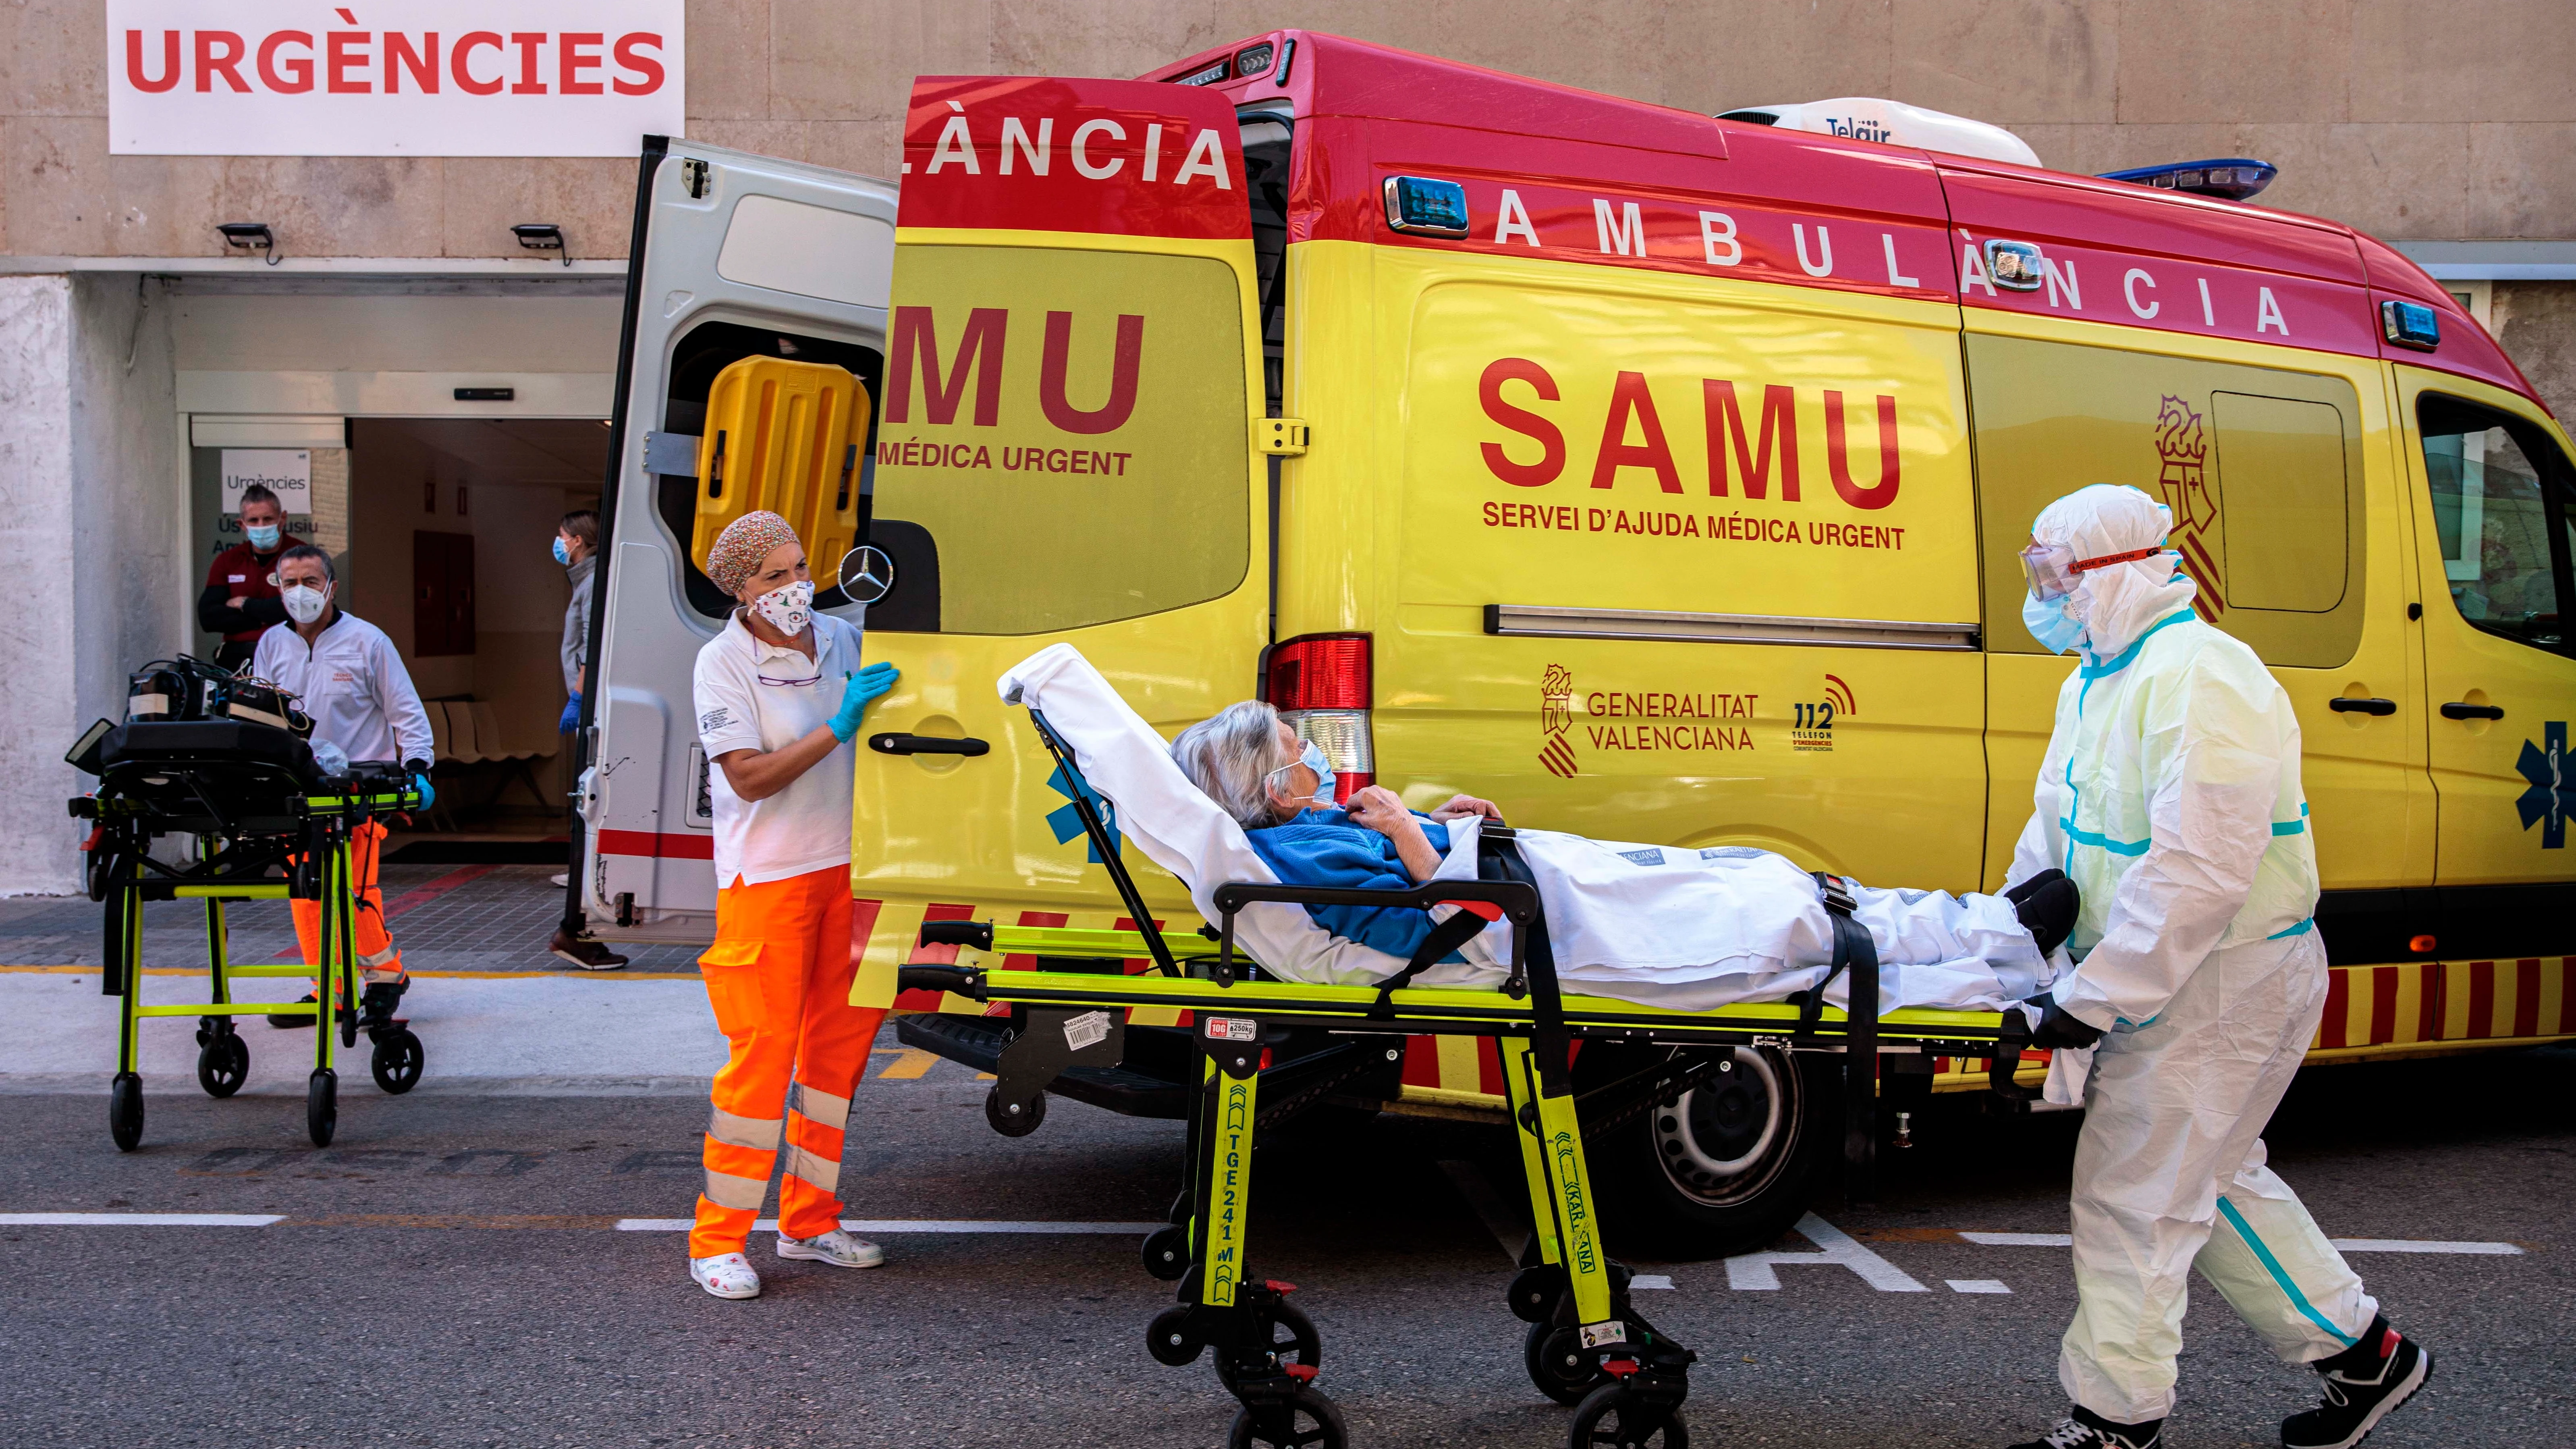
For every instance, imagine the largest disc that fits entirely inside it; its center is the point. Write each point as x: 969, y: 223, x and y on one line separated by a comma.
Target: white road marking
x: 907, y: 1225
x: 1650, y: 1280
x: 139, y: 1220
x: 1976, y: 1285
x: 1759, y: 1271
x: 2022, y: 1240
x: 2342, y: 1245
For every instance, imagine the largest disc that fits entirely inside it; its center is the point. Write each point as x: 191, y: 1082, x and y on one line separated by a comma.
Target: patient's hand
x: 1382, y: 810
x: 1462, y: 806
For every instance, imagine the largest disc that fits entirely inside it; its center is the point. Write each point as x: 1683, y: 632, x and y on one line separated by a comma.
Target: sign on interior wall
x: 288, y: 473
x: 393, y: 77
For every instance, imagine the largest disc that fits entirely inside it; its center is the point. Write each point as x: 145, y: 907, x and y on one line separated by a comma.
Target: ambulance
x: 1658, y: 476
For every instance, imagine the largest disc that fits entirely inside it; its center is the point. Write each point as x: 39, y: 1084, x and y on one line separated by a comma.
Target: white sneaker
x: 836, y: 1247
x: 726, y: 1275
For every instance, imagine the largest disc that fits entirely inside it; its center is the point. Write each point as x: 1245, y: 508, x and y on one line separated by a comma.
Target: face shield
x: 2054, y: 570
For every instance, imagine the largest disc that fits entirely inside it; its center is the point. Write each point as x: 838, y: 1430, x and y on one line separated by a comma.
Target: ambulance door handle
x: 2471, y: 711
x: 891, y: 744
x: 2341, y: 705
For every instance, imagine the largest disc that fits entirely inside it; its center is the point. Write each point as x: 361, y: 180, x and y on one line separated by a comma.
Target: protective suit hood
x: 2116, y: 604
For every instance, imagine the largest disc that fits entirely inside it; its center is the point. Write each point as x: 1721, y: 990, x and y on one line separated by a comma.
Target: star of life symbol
x: 1066, y: 821
x: 1555, y: 718
x: 2551, y: 798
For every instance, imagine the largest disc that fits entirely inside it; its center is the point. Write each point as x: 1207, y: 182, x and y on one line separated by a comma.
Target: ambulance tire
x: 1315, y: 1423
x: 1724, y: 1171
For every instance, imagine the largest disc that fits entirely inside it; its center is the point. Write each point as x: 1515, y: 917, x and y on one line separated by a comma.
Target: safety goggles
x: 2053, y: 569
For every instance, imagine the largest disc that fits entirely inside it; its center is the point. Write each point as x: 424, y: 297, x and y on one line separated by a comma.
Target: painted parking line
x: 909, y: 1225
x: 1976, y: 1285
x: 2342, y: 1245
x: 139, y: 1220
x: 909, y: 1065
x: 1650, y: 1280
x: 1759, y: 1272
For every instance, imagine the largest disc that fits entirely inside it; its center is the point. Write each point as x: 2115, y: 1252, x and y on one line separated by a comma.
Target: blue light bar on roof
x: 2234, y: 178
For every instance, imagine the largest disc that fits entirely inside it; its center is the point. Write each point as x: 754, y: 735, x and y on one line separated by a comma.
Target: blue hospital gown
x: 1323, y: 848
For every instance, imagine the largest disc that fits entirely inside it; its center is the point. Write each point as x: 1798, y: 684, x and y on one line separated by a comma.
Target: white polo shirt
x: 756, y: 696
x: 352, y: 682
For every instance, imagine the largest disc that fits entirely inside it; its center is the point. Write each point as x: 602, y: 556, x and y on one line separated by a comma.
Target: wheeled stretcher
x: 1258, y: 1064
x: 264, y: 823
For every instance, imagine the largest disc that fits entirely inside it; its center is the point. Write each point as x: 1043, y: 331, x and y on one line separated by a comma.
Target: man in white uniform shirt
x: 353, y: 684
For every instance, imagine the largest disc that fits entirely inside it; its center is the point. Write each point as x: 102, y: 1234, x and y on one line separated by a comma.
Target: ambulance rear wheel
x: 1016, y: 1119
x: 1557, y: 1364
x: 1726, y: 1168
x: 1614, y: 1418
x: 1312, y: 1422
x: 396, y: 1061
x: 125, y: 1111
x: 223, y: 1064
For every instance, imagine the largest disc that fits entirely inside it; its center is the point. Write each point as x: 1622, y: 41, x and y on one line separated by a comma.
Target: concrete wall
x: 94, y: 510
x: 2406, y: 118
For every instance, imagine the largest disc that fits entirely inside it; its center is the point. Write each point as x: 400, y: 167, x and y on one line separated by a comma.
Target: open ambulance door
x: 753, y: 346
x: 1066, y: 450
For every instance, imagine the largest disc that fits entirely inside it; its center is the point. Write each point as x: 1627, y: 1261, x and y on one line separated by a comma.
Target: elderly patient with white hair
x: 1684, y: 927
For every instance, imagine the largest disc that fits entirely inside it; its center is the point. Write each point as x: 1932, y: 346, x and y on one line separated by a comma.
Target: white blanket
x: 1692, y: 930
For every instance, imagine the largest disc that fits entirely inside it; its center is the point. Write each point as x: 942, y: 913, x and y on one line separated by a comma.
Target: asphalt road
x: 449, y: 1273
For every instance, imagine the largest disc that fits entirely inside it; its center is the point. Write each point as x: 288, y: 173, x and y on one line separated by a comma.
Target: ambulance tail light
x: 1321, y: 685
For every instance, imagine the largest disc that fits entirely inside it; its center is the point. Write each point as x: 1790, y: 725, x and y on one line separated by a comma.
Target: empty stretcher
x: 1269, y: 1049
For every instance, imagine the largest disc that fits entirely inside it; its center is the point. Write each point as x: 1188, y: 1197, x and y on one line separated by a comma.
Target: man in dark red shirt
x: 241, y: 598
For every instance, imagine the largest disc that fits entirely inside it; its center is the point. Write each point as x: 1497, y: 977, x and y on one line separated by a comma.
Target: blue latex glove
x: 571, y: 719
x: 858, y: 691
x: 427, y: 795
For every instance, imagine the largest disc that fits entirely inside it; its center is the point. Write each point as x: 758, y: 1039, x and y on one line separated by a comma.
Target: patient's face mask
x: 788, y: 609
x: 304, y: 603
x: 1313, y: 759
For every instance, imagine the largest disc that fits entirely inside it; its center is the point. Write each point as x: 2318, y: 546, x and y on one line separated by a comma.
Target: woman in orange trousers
x: 779, y: 693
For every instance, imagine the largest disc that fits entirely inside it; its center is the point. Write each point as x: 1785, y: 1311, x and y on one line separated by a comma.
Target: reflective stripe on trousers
x: 378, y: 958
x: 779, y: 977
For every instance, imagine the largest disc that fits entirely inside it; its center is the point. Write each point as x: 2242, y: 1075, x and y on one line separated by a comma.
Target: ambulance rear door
x: 1065, y: 451
x: 735, y: 256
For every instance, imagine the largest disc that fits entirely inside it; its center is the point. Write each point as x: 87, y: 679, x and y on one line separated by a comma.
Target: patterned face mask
x: 788, y: 609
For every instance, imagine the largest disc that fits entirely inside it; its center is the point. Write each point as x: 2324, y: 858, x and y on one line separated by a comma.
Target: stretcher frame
x: 308, y: 839
x: 1586, y: 1344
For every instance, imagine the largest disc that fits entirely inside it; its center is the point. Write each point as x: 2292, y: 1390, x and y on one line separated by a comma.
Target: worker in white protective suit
x: 2170, y: 795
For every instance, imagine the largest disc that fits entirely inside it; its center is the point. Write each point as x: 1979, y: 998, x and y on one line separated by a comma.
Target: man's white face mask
x: 303, y: 602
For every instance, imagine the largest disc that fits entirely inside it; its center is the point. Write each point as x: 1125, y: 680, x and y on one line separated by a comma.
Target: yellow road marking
x: 909, y: 1063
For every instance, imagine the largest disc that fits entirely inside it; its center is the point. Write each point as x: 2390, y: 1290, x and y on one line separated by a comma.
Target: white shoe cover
x: 726, y: 1275
x: 836, y: 1247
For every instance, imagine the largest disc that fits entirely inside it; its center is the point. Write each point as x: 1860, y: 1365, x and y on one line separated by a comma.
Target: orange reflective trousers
x: 778, y: 976
x: 377, y: 958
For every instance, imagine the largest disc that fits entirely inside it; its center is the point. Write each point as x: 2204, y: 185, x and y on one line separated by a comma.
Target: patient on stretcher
x: 1691, y: 929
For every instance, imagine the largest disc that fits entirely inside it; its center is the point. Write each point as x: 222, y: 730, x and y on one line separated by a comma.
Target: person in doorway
x: 2170, y: 794
x: 577, y: 549
x: 779, y: 692
x: 240, y: 599
x: 353, y: 685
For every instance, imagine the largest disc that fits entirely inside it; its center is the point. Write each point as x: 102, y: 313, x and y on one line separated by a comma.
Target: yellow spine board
x: 784, y: 436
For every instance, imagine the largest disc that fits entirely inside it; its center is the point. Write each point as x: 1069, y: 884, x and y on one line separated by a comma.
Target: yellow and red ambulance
x: 1656, y: 476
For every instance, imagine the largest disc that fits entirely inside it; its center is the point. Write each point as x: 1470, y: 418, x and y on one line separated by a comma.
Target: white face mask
x: 788, y: 609
x: 304, y: 604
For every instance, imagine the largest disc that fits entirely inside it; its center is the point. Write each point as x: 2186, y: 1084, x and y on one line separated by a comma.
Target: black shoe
x: 2047, y: 904
x: 377, y: 1005
x: 2084, y: 1429
x: 584, y: 952
x: 283, y: 1021
x: 2363, y: 1383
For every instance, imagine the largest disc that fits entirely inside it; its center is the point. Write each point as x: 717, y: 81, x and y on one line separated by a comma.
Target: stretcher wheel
x: 1558, y: 1365
x: 1288, y: 1335
x: 1312, y: 1422
x: 321, y: 1105
x: 1171, y: 1339
x: 1614, y: 1417
x: 223, y: 1064
x: 1167, y: 1252
x: 125, y: 1111
x: 1534, y: 1292
x: 1017, y: 1120
x: 396, y: 1060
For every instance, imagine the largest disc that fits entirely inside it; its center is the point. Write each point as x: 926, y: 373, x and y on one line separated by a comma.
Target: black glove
x: 2059, y: 1027
x: 2047, y: 904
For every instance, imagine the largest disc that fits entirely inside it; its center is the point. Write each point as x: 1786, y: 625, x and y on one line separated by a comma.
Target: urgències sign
x: 393, y: 77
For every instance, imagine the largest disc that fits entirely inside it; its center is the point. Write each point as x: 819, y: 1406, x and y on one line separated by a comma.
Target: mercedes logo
x: 867, y: 575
